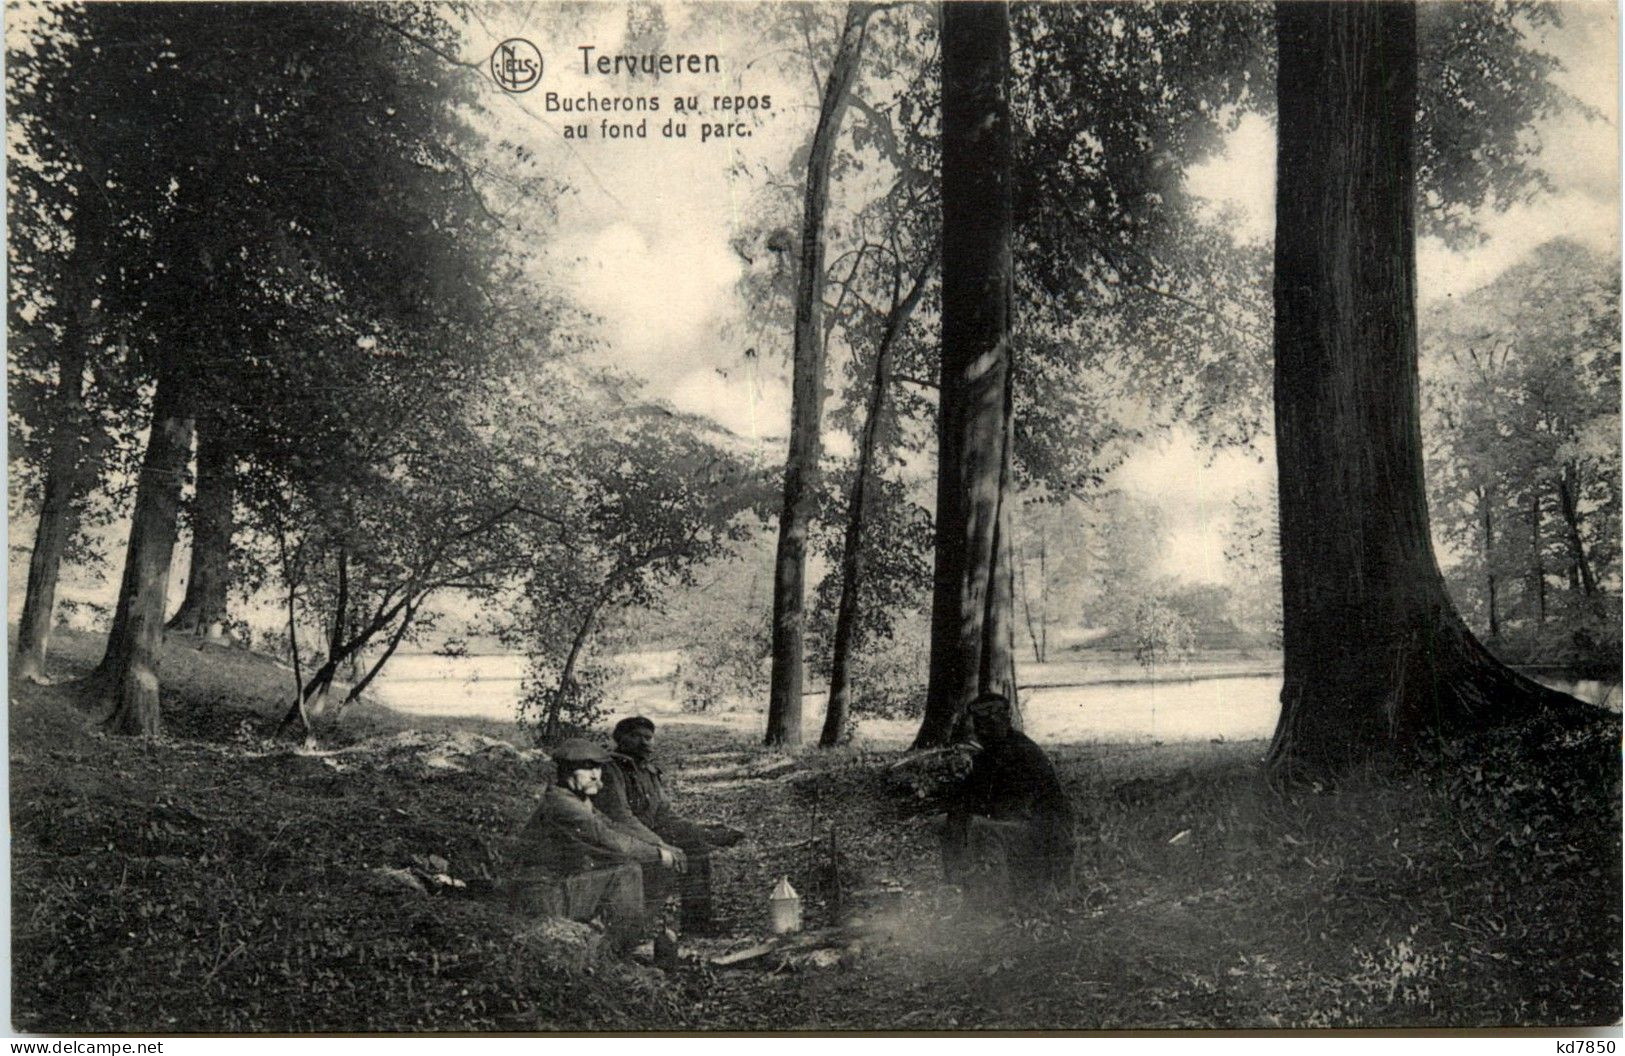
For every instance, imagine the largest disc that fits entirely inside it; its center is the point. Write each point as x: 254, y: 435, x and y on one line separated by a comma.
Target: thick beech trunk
x: 203, y: 609
x: 58, y: 508
x: 807, y: 397
x: 1376, y: 656
x: 123, y: 690
x: 972, y: 629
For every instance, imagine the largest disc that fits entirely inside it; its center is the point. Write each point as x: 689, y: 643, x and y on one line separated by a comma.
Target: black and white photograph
x: 690, y: 517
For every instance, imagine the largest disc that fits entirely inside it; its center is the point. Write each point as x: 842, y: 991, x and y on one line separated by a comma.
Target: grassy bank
x: 215, y: 880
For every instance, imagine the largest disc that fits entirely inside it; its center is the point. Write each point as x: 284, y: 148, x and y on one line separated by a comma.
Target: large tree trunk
x: 124, y: 687
x: 807, y: 397
x: 1376, y: 656
x: 58, y: 509
x: 203, y: 610
x: 972, y: 630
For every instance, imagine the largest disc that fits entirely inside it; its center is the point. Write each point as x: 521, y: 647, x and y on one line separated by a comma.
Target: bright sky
x: 645, y: 238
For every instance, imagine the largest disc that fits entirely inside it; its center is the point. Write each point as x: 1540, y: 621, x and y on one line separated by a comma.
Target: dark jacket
x: 1013, y: 780
x: 635, y: 793
x: 568, y: 835
x: 636, y: 798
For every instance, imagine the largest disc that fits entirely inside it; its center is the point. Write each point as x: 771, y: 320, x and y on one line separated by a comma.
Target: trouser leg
x: 614, y: 894
x: 543, y: 898
x: 623, y: 906
x: 694, y: 885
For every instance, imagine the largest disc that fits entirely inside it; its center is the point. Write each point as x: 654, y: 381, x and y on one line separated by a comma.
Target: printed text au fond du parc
x: 702, y: 117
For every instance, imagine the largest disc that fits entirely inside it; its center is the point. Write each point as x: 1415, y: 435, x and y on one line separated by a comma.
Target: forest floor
x: 217, y: 880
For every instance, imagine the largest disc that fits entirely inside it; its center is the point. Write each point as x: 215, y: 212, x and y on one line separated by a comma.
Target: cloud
x: 1242, y: 177
x: 657, y: 292
x: 745, y: 402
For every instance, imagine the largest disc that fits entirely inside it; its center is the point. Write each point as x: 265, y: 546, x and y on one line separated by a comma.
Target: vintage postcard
x: 822, y: 517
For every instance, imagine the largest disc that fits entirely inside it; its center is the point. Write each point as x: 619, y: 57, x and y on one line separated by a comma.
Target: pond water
x: 1233, y: 707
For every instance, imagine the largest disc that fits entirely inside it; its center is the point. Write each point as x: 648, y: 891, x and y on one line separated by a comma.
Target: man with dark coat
x: 572, y: 861
x: 1010, y: 821
x: 636, y: 797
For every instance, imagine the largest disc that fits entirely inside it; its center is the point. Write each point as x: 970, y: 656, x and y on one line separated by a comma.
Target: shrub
x: 1162, y: 634
x: 724, y: 662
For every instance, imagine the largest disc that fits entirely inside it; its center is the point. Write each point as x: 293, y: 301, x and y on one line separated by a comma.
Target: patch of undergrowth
x: 224, y: 882
x: 216, y: 880
x: 1482, y: 889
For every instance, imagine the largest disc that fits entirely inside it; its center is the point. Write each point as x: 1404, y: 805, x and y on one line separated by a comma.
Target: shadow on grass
x: 214, y: 881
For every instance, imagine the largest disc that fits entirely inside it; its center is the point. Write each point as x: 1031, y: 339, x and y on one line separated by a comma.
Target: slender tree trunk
x: 341, y: 608
x: 203, y: 610
x: 1580, y: 574
x: 807, y: 397
x: 1537, y: 566
x: 837, y: 713
x: 972, y: 630
x: 360, y: 685
x: 1489, y: 562
x: 1376, y: 656
x: 58, y: 508
x: 123, y: 690
x: 293, y: 636
x: 322, y: 680
x: 1043, y: 595
x: 550, y: 732
x: 1027, y: 609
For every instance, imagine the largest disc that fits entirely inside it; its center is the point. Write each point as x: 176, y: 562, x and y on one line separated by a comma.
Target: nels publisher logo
x: 516, y: 65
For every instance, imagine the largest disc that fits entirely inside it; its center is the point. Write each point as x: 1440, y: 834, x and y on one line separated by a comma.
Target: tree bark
x: 1537, y: 568
x: 1568, y: 504
x: 972, y: 625
x: 58, y: 508
x: 360, y: 685
x: 203, y: 610
x: 322, y: 679
x: 1376, y: 656
x: 807, y: 397
x: 837, y: 713
x: 551, y: 731
x: 123, y: 689
x: 1489, y: 562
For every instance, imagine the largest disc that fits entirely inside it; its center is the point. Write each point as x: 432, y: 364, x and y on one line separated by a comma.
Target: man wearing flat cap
x: 573, y: 861
x: 637, y: 798
x: 1010, y: 822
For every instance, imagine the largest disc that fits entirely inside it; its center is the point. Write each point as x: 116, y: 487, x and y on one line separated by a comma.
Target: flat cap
x: 632, y: 723
x: 990, y: 704
x: 580, y: 750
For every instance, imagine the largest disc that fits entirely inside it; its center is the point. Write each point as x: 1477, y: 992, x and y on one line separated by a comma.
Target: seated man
x: 574, y: 862
x: 1009, y: 822
x: 635, y: 795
